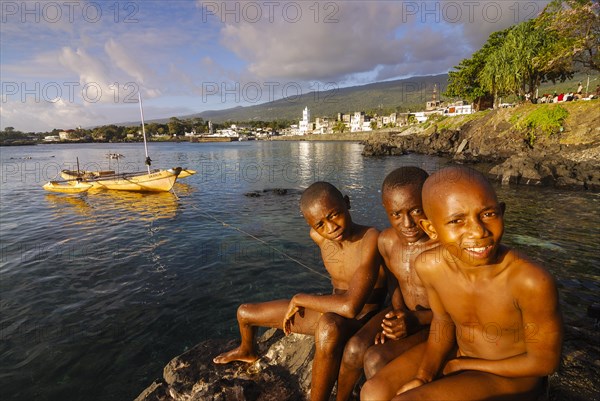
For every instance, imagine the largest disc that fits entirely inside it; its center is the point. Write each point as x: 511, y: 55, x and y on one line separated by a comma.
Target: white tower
x: 304, y: 124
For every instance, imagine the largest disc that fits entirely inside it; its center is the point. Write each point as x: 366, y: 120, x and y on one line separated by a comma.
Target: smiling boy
x: 404, y: 324
x: 497, y: 328
x: 350, y: 255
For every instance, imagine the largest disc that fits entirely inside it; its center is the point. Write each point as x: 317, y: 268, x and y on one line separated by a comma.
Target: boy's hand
x: 453, y: 366
x: 394, y: 325
x: 288, y: 319
x: 380, y: 338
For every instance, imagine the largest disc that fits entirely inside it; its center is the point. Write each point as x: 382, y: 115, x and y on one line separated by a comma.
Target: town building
x: 322, y: 126
x: 458, y: 108
x: 305, y: 126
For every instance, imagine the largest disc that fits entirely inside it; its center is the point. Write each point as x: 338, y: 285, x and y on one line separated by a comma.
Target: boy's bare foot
x: 235, y: 354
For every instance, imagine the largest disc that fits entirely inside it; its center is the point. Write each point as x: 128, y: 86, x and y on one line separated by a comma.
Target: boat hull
x: 158, y: 181
x: 74, y: 187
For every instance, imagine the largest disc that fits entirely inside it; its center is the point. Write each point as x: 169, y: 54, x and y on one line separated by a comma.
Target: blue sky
x: 82, y: 63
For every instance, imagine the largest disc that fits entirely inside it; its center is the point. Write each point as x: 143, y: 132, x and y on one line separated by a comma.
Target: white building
x: 322, y: 126
x: 420, y: 116
x: 359, y: 122
x: 356, y: 121
x: 305, y: 126
x: 458, y: 109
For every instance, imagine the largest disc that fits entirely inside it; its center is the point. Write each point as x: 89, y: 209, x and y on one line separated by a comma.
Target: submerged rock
x: 274, y: 191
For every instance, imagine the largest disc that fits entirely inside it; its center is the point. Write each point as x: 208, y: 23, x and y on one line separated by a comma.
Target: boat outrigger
x: 77, y: 181
x: 71, y: 187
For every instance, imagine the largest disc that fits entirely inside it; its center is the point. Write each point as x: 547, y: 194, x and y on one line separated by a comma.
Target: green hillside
x: 382, y: 97
x: 403, y: 95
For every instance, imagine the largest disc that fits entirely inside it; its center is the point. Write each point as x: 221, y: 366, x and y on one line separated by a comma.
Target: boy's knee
x: 329, y: 330
x: 244, y: 312
x: 373, y: 362
x: 374, y: 390
x: 354, y: 352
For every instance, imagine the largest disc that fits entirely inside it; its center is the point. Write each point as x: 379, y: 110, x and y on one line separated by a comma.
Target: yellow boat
x: 150, y: 181
x: 68, y: 187
x: 155, y: 181
x: 186, y: 172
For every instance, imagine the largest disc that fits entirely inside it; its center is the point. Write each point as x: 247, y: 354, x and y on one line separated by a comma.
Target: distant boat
x: 155, y: 181
x: 77, y: 181
x: 114, y: 155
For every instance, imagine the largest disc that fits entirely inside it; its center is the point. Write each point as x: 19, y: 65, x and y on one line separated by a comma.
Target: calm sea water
x: 98, y: 292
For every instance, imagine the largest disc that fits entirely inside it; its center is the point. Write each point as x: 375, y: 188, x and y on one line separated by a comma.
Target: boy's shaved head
x: 317, y: 191
x: 403, y: 176
x: 438, y: 184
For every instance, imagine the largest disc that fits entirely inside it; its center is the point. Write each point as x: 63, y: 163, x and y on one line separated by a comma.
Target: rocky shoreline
x: 283, y: 372
x: 569, y: 159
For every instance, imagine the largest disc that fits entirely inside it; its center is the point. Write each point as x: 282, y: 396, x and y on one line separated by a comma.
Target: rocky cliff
x: 508, y: 146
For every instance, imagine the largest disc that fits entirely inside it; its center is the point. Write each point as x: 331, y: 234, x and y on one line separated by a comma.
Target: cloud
x: 186, y: 55
x: 339, y: 40
x: 90, y: 69
x: 354, y: 37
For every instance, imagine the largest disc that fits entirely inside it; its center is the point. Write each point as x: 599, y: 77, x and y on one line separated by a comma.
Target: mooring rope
x: 262, y: 241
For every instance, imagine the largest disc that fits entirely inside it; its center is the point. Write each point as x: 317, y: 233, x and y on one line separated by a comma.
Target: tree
x: 465, y: 82
x: 175, y: 126
x: 197, y: 124
x: 576, y: 25
x: 151, y: 129
x: 132, y: 132
x: 517, y: 60
x: 518, y: 70
x: 339, y: 127
x: 10, y: 134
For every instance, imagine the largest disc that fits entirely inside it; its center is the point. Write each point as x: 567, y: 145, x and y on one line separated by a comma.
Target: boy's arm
x: 541, y: 330
x: 383, y: 243
x: 389, y: 324
x: 423, y: 316
x: 350, y: 303
x: 442, y: 334
x: 400, y: 321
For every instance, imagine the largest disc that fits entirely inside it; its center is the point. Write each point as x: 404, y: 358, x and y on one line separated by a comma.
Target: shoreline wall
x: 493, y: 142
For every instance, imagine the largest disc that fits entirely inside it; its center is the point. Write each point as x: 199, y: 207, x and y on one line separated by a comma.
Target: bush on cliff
x: 546, y: 119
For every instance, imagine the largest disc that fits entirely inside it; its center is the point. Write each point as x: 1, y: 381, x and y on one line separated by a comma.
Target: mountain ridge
x: 384, y: 97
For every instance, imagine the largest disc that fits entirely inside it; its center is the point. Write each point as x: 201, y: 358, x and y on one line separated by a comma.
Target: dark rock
x: 377, y: 149
x: 492, y: 141
x: 274, y: 191
x: 280, y: 191
x: 281, y: 374
x: 284, y: 370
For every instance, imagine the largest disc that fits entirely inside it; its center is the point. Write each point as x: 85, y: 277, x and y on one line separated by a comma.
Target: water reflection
x: 130, y: 205
x: 139, y: 206
x: 69, y: 203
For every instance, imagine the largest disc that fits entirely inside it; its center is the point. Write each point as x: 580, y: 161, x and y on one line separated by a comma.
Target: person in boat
x: 405, y: 323
x: 496, y: 331
x: 350, y: 255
